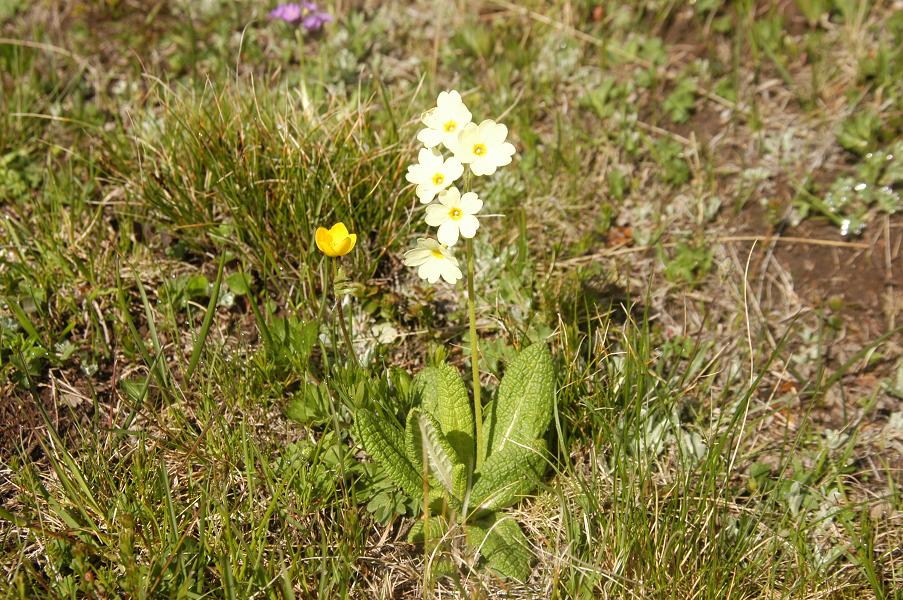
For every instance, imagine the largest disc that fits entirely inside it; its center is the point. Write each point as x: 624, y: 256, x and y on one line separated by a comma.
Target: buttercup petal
x: 347, y: 244
x: 324, y: 241
x: 338, y: 231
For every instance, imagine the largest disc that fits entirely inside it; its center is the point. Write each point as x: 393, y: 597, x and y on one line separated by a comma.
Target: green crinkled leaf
x: 523, y: 408
x: 384, y: 441
x: 508, y: 475
x: 422, y: 433
x: 435, y: 529
x: 445, y: 397
x: 459, y: 484
x: 501, y: 541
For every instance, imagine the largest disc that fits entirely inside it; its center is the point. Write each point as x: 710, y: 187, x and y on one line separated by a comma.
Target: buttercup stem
x: 338, y: 304
x: 474, y: 352
x: 324, y: 300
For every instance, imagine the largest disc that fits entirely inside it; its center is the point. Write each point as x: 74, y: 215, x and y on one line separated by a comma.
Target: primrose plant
x: 463, y: 462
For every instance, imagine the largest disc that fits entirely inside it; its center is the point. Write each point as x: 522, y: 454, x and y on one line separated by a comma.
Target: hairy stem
x: 474, y: 352
x: 344, y: 324
x: 426, y: 524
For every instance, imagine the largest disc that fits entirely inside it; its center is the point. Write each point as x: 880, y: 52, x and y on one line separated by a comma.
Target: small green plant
x: 851, y: 200
x: 463, y: 462
x: 859, y: 132
x: 436, y: 453
x: 681, y: 103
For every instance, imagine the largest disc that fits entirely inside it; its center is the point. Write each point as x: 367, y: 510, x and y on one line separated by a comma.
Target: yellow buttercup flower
x: 335, y: 241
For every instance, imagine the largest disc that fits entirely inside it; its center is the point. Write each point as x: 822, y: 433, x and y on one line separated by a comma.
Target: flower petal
x: 428, y: 158
x: 430, y: 271
x: 339, y: 231
x: 482, y: 167
x: 429, y: 137
x: 450, y: 197
x: 414, y: 174
x: 499, y: 158
x: 468, y: 226
x: 495, y: 132
x: 416, y: 257
x: 453, y: 169
x: 471, y: 203
x: 448, y: 233
x: 425, y: 192
x: 436, y: 214
x: 450, y: 272
x: 324, y: 241
x: 426, y: 116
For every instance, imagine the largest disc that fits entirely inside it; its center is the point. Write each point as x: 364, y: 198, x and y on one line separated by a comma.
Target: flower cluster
x: 479, y: 147
x: 305, y: 14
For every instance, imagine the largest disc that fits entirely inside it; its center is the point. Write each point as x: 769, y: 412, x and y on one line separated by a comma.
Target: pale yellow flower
x: 433, y: 260
x: 483, y: 147
x: 454, y: 215
x: 432, y: 174
x: 444, y: 121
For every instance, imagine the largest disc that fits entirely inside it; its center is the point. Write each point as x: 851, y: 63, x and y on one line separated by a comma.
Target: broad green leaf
x: 423, y: 437
x: 445, y: 397
x: 414, y: 449
x: 384, y: 441
x: 523, y: 408
x: 459, y: 484
x: 501, y: 541
x: 436, y: 528
x: 508, y: 475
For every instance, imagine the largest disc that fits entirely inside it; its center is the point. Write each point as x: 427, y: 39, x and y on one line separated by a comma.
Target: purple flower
x: 304, y: 13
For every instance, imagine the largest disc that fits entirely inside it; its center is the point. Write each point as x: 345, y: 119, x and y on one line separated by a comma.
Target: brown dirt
x: 865, y: 286
x: 863, y: 283
x: 19, y: 421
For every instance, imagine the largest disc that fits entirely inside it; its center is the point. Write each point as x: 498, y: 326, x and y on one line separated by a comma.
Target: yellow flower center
x: 455, y: 214
x: 449, y: 126
x: 438, y: 254
x: 479, y: 149
x: 438, y: 178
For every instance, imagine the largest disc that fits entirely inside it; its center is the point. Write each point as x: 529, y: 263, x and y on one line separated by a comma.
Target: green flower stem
x: 474, y: 351
x: 344, y: 324
x: 324, y: 300
x: 426, y: 523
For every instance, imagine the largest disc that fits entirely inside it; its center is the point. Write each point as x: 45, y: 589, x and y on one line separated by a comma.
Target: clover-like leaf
x: 523, y: 408
x: 501, y: 541
x: 507, y: 475
x: 384, y: 441
x: 445, y: 397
